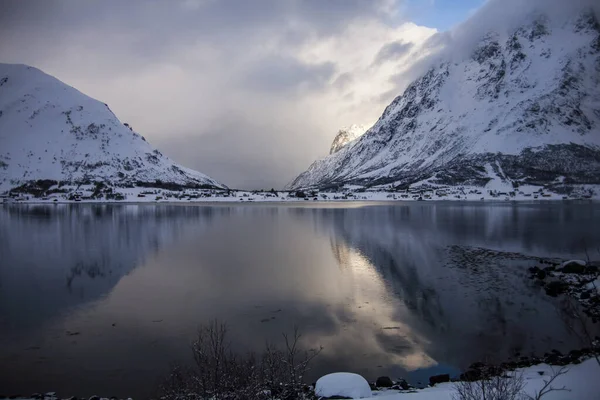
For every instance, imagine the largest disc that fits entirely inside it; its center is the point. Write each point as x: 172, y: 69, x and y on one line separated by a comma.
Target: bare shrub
x: 505, y: 387
x: 578, y: 324
x: 219, y: 373
x: 500, y: 387
x: 548, y: 387
x: 577, y: 320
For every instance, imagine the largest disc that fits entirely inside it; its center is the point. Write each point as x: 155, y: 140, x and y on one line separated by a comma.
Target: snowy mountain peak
x: 51, y: 131
x: 527, y: 103
x: 346, y: 135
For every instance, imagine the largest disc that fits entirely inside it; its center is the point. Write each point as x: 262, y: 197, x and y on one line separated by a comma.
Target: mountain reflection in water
x: 100, y: 299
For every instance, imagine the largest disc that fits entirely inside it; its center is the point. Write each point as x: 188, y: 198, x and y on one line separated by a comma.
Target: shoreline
x: 533, y: 374
x: 227, y: 202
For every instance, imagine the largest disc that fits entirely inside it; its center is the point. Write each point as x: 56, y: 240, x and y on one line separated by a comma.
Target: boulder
x: 401, y: 385
x: 433, y: 380
x: 384, y: 381
x: 573, y: 267
x: 343, y: 385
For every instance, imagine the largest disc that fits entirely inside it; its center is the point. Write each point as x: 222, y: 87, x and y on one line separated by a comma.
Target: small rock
x: 94, y: 398
x: 553, y: 359
x: 554, y: 288
x: 534, y: 270
x: 541, y: 372
x: 592, y: 269
x: 576, y: 353
x: 403, y: 384
x: 384, y: 381
x: 541, y: 274
x: 585, y: 295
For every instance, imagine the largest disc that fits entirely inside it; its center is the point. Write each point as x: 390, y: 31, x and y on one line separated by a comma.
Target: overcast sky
x: 249, y: 92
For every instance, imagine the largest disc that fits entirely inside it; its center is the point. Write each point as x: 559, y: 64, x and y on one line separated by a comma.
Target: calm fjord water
x: 100, y: 299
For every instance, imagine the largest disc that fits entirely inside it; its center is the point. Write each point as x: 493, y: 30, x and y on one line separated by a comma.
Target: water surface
x: 99, y: 299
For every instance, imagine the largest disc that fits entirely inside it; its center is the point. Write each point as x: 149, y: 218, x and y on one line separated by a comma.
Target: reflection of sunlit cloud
x: 374, y: 325
x: 375, y: 286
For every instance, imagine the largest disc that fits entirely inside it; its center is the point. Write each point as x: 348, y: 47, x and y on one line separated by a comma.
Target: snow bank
x: 343, y: 384
x: 581, y: 382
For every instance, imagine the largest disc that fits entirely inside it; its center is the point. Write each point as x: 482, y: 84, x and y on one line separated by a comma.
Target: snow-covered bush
x: 343, y: 385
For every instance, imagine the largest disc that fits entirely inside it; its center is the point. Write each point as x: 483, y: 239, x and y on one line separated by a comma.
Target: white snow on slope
x: 346, y: 135
x: 49, y: 130
x: 523, y: 90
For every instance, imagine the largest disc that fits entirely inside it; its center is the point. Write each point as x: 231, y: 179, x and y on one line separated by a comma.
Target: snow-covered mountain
x: 346, y: 135
x: 524, y: 108
x: 51, y: 131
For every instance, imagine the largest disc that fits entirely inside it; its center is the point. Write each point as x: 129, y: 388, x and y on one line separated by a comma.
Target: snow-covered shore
x: 102, y: 194
x: 580, y: 381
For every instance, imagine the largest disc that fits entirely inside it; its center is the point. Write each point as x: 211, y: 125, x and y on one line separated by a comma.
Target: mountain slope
x: 51, y: 131
x: 524, y: 108
x: 346, y: 135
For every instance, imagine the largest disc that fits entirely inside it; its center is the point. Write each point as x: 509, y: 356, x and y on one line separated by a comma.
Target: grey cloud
x: 167, y: 20
x: 387, y: 97
x: 343, y: 81
x: 503, y: 17
x: 216, y: 67
x: 282, y: 74
x: 244, y: 152
x: 392, y: 51
x: 210, y: 83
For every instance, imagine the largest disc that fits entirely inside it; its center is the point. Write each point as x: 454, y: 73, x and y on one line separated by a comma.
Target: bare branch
x: 222, y: 374
x: 499, y: 387
x: 547, y: 388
